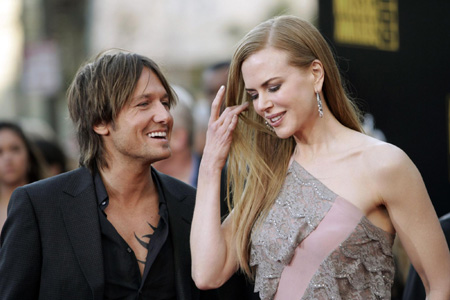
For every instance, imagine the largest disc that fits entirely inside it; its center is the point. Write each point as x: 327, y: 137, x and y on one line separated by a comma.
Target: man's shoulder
x: 43, y: 194
x: 60, y: 181
x: 174, y: 185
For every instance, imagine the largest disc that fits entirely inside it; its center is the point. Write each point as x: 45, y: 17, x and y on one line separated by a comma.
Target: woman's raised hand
x: 220, y: 130
x: 213, y: 256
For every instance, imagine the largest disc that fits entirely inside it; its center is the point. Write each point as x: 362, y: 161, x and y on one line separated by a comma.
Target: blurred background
x: 394, y: 54
x: 45, y: 41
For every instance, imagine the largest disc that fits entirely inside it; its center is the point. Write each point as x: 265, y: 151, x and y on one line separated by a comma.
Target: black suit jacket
x: 414, y: 289
x: 51, y: 243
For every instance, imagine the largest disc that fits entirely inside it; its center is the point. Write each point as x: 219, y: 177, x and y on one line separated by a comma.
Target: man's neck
x: 128, y: 185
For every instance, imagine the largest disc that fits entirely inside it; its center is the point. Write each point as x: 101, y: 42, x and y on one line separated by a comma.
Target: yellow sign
x: 367, y: 23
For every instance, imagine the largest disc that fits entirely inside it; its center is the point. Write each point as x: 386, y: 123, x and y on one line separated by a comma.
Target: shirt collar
x: 102, y: 195
x: 100, y: 190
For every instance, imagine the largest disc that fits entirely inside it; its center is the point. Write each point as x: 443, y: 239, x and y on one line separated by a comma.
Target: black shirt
x: 122, y: 276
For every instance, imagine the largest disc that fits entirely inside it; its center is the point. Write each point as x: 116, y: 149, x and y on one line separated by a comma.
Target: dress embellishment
x: 363, y: 261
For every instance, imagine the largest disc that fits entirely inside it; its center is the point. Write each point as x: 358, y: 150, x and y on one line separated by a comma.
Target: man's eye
x: 143, y: 104
x: 274, y: 88
x: 166, y: 103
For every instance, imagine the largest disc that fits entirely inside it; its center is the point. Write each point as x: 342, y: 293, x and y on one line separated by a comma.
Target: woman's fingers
x: 221, y: 125
x: 242, y: 107
x: 216, y: 104
x: 220, y: 129
x: 220, y: 132
x: 226, y: 117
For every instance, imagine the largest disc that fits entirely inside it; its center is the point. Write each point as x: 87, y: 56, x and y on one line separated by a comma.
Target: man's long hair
x: 97, y: 94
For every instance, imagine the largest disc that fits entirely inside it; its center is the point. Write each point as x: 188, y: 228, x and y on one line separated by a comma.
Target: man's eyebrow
x: 264, y: 84
x: 140, y: 97
x: 148, y: 96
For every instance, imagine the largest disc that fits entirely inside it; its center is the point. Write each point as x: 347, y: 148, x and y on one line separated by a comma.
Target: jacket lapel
x: 80, y: 215
x: 180, y: 206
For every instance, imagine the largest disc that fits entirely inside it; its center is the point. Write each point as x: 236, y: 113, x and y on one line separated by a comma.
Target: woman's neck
x: 6, y: 191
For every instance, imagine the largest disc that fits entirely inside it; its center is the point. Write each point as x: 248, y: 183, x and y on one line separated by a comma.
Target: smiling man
x: 114, y: 228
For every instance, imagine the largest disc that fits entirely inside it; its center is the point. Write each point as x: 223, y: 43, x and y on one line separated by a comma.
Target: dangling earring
x: 319, y: 104
x: 269, y: 126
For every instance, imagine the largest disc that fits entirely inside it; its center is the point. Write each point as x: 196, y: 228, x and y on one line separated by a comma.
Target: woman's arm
x: 415, y: 220
x: 213, y: 256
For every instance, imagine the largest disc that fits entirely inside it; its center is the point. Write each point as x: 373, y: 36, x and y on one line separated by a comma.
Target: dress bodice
x: 316, y: 245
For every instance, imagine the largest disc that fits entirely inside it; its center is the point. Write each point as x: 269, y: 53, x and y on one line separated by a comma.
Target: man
x: 115, y: 228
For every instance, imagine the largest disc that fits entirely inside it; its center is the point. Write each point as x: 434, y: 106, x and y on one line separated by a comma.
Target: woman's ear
x: 101, y: 129
x: 319, y: 74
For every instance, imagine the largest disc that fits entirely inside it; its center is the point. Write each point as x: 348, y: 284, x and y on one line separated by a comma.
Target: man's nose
x: 162, y: 115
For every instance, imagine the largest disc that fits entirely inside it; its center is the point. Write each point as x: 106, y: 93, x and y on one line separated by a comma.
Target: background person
x: 53, y: 155
x: 19, y: 163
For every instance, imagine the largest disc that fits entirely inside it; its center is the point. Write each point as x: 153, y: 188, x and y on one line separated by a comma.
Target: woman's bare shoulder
x: 384, y: 155
x: 377, y: 152
x: 387, y: 163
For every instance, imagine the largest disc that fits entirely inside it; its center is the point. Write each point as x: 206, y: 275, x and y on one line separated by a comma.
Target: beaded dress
x: 314, y: 244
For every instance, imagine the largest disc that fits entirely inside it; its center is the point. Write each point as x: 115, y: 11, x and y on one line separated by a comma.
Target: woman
x: 316, y: 202
x: 19, y: 163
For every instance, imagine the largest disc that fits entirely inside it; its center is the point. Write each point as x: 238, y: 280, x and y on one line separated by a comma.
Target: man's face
x: 142, y: 128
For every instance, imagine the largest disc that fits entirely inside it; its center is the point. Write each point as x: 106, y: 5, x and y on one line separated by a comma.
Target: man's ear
x: 319, y: 75
x: 101, y: 129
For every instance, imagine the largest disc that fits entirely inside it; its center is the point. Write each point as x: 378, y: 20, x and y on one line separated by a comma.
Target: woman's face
x: 13, y: 158
x: 282, y: 94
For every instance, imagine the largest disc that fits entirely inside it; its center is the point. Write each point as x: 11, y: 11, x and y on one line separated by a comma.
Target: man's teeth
x: 273, y: 120
x: 158, y: 134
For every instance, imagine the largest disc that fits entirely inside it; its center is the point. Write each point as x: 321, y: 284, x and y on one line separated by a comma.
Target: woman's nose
x: 263, y: 103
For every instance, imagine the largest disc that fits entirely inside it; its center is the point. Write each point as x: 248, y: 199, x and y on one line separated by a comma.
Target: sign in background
x: 372, y: 24
x: 396, y: 58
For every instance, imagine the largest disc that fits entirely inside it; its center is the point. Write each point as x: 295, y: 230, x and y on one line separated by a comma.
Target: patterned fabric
x: 361, y: 267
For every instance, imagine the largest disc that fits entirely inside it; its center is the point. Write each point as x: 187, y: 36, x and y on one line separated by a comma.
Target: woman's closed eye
x: 271, y: 89
x: 253, y: 96
x: 274, y: 88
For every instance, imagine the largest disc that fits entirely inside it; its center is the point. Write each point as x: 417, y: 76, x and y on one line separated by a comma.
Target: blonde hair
x: 258, y: 159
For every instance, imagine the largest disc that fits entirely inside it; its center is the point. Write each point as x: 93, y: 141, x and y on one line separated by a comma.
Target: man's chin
x: 163, y: 156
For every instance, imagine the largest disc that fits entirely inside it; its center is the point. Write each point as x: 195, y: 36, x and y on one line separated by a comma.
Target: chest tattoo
x: 143, y: 243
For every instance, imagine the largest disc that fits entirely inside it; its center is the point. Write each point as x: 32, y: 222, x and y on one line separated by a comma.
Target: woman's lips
x: 275, y: 119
